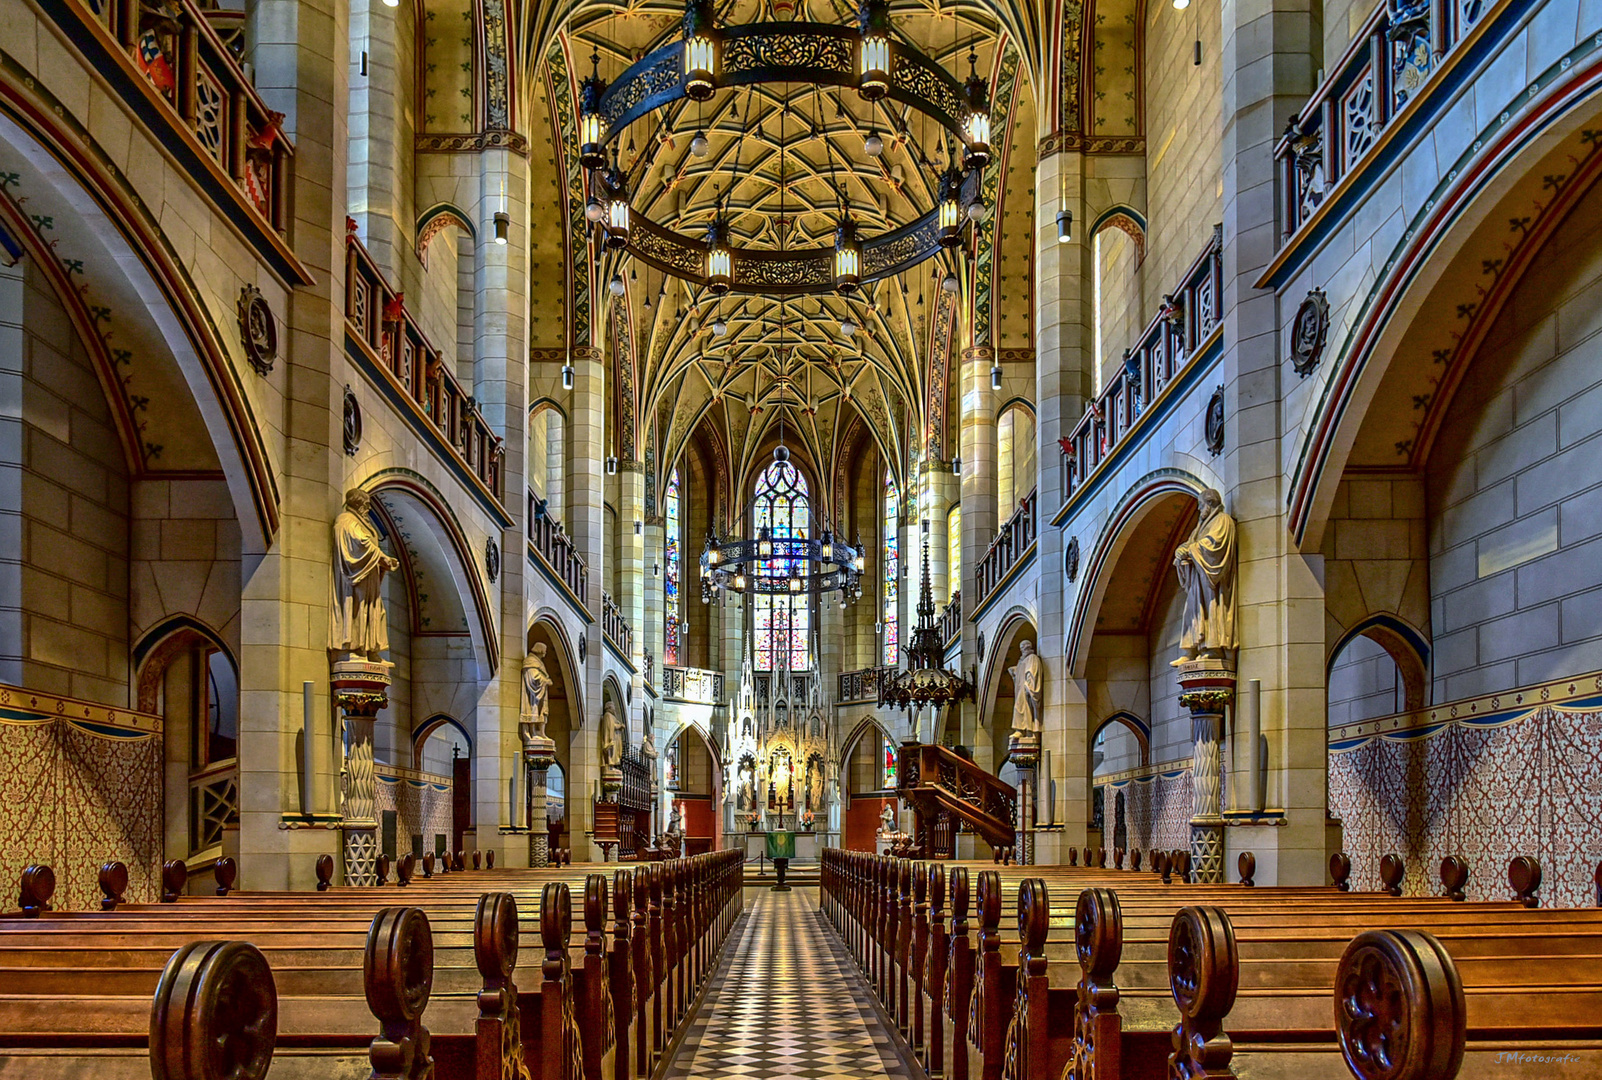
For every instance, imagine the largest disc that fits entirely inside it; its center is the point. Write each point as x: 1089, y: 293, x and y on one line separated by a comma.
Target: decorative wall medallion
x: 1215, y: 422
x: 353, y: 423
x: 583, y: 646
x: 1309, y: 330
x: 492, y: 559
x: 258, y: 330
x: 1070, y: 560
x: 981, y: 644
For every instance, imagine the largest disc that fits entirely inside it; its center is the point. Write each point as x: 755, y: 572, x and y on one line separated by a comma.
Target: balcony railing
x: 550, y: 542
x: 1016, y: 537
x: 951, y: 620
x: 650, y: 671
x: 175, y: 48
x: 1188, y: 315
x: 863, y: 685
x: 376, y: 316
x: 1386, y: 66
x: 695, y: 685
x: 614, y: 626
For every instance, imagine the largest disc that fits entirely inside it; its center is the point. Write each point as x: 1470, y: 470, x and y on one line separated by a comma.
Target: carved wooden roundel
x: 1309, y: 331
x: 1215, y: 422
x: 258, y: 330
x: 352, y: 428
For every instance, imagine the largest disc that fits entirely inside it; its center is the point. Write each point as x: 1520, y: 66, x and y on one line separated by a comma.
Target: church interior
x: 923, y: 539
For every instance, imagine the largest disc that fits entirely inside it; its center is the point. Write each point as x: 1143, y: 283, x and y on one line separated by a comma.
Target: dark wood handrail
x: 1014, y: 538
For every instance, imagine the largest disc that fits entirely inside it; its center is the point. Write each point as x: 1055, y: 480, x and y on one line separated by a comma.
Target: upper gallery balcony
x: 178, y: 69
x: 385, y: 341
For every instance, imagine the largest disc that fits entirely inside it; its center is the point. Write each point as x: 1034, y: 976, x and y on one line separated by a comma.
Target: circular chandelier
x: 867, y: 58
x: 767, y: 564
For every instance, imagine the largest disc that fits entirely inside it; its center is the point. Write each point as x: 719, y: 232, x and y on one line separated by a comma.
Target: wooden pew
x: 333, y: 916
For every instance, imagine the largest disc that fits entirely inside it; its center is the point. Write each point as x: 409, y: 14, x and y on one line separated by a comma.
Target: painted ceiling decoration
x: 777, y: 162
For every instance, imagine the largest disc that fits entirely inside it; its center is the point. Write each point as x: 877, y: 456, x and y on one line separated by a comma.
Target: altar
x: 807, y: 846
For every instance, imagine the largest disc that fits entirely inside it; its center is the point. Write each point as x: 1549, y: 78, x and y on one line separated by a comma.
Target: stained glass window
x: 670, y: 573
x: 892, y: 567
x: 783, y: 619
x: 889, y: 765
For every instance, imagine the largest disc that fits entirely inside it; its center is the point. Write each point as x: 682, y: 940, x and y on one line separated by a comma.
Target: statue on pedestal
x: 611, y: 738
x: 1028, y: 677
x: 357, y: 623
x: 1205, y: 564
x: 536, y: 696
x: 649, y: 752
x: 887, y: 821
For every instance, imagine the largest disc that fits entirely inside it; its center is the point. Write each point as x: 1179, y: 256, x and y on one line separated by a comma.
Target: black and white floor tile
x: 787, y: 1001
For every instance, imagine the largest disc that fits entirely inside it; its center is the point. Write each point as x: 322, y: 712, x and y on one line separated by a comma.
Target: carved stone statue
x: 611, y: 738
x: 1205, y: 564
x: 536, y: 695
x: 887, y: 821
x: 648, y: 749
x: 1028, y: 677
x: 357, y: 624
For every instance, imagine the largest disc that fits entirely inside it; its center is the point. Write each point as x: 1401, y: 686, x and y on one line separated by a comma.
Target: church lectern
x: 781, y: 849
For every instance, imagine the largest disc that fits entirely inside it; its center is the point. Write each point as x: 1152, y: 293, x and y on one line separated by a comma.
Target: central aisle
x: 787, y: 1001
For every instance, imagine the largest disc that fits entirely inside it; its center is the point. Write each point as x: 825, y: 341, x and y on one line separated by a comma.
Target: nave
x: 787, y: 1002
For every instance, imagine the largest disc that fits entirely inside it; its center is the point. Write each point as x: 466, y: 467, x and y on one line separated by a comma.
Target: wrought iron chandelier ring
x: 868, y: 58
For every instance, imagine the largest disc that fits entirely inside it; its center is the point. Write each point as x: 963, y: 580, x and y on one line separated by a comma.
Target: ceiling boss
x: 872, y: 58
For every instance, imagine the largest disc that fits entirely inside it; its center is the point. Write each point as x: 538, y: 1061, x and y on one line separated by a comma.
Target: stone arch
x: 1407, y: 648
x: 1145, y: 497
x: 1445, y: 244
x: 1017, y: 624
x: 435, y: 220
x: 448, y: 552
x: 159, y: 644
x: 1137, y: 727
x: 163, y: 316
x: 1125, y: 219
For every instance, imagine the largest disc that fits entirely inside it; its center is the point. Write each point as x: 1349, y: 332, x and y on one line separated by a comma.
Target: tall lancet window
x: 672, y: 601
x: 891, y: 561
x: 783, y: 618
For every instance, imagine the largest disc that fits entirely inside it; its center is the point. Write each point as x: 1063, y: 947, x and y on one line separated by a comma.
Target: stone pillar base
x: 1207, y: 851
x: 1024, y: 752
x: 361, y: 853
x: 539, y: 849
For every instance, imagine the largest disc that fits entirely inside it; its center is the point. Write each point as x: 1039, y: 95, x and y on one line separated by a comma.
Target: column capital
x: 978, y: 352
x: 587, y: 352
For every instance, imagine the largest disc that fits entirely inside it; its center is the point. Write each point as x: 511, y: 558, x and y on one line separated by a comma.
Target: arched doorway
x: 694, y: 780
x: 869, y: 784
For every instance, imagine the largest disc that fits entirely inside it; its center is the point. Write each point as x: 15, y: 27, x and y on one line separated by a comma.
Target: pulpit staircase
x: 945, y: 788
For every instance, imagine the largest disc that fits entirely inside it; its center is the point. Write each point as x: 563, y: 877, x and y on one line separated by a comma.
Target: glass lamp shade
x: 592, y: 154
x: 719, y: 262
x: 873, y: 52
x: 765, y: 543
x: 976, y: 126
x: 950, y: 209
x: 847, y: 258
x: 617, y: 222
x: 700, y: 50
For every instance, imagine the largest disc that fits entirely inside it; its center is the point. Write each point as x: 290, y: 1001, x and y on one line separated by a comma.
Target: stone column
x: 1268, y: 71
x: 1025, y: 753
x: 360, y: 689
x: 1062, y: 342
x: 1207, y: 689
x: 585, y: 500
x: 633, y: 582
x: 977, y: 443
x: 538, y: 758
x: 300, y: 50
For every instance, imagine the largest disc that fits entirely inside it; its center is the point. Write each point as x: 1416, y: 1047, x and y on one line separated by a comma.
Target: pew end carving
x: 113, y: 885
x: 398, y: 979
x: 1204, y: 975
x: 1399, y: 1007
x: 1392, y: 870
x: 1340, y: 871
x: 225, y: 873
x: 38, y: 886
x: 214, y: 1015
x: 174, y: 880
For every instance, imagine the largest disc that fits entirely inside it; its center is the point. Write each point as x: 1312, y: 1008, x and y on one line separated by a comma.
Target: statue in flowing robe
x: 611, y: 738
x: 1028, y: 677
x: 1205, y: 564
x: 536, y: 695
x: 357, y: 623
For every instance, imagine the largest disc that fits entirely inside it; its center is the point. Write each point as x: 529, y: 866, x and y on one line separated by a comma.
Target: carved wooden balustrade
x: 376, y: 317
x: 1390, y: 62
x: 1012, y: 542
x: 614, y: 626
x: 192, y: 71
x: 650, y: 670
x: 862, y: 685
x: 936, y: 780
x: 951, y: 619
x: 550, y: 542
x: 1187, y: 317
x: 695, y: 685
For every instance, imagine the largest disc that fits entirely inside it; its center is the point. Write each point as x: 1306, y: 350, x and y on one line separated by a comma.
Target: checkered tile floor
x: 787, y: 1001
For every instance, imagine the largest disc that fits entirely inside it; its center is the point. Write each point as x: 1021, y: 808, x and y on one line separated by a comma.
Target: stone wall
x: 1514, y: 495
x: 64, y: 505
